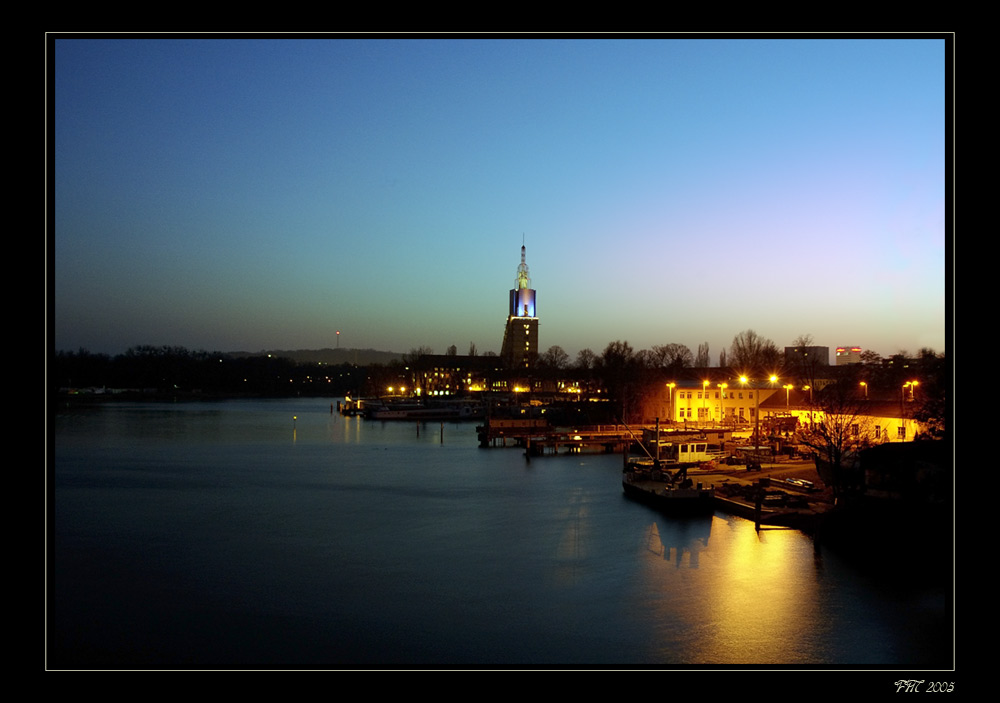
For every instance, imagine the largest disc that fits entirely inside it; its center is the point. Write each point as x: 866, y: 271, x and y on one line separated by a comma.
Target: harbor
x: 686, y: 470
x: 785, y: 494
x: 339, y: 541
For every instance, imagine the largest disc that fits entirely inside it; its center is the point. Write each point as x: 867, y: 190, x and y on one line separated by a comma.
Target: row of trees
x: 749, y: 353
x: 627, y: 374
x: 167, y: 370
x: 623, y: 371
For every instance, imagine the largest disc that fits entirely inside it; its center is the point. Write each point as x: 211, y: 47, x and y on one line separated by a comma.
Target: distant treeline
x: 165, y: 370
x: 620, y: 371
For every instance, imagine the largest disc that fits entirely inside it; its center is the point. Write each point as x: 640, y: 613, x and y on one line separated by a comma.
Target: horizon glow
x: 256, y: 194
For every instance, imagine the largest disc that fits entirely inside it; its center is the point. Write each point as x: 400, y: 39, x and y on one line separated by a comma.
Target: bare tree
x: 870, y: 357
x: 672, y: 356
x: 585, y: 359
x: 702, y: 360
x: 415, y: 353
x: 753, y: 353
x: 617, y: 367
x: 804, y: 363
x: 555, y: 357
x: 839, y: 431
x: 646, y: 359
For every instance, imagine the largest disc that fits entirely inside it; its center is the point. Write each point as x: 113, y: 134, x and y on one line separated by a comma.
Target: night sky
x: 243, y: 195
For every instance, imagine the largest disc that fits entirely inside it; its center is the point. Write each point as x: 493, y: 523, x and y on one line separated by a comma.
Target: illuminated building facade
x: 848, y: 355
x: 520, y: 339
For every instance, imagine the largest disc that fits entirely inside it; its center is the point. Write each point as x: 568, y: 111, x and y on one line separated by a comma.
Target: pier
x: 537, y: 437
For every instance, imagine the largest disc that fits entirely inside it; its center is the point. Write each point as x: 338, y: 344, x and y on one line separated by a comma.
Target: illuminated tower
x: 520, y: 339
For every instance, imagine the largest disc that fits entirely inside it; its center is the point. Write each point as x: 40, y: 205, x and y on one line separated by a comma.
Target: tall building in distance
x: 848, y: 355
x: 520, y: 338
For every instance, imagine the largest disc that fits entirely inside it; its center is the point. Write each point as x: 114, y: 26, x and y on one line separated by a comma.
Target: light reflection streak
x: 758, y: 598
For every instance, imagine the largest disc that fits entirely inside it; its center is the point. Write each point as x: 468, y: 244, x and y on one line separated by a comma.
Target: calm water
x: 228, y: 535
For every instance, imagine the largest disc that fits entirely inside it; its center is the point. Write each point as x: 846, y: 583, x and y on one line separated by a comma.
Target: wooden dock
x: 537, y: 437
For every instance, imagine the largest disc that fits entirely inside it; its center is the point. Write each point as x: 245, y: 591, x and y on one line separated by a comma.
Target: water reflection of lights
x: 757, y: 596
x: 686, y: 538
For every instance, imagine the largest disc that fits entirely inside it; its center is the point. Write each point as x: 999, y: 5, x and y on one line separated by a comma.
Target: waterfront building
x: 520, y: 339
x: 697, y: 402
x: 873, y: 420
x: 434, y: 375
x: 713, y: 402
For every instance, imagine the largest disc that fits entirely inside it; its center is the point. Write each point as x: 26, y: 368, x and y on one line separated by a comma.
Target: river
x: 278, y: 534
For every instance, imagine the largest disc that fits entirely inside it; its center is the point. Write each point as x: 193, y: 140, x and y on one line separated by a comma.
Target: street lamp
x: 704, y: 400
x: 743, y: 382
x: 788, y: 387
x: 722, y: 394
x: 772, y: 379
x: 670, y: 401
x: 865, y: 386
x: 756, y: 412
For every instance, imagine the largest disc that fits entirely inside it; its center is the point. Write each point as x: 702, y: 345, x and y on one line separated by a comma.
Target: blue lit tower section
x: 520, y: 339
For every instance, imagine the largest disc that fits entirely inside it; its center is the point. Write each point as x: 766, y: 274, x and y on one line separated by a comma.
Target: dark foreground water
x: 274, y: 534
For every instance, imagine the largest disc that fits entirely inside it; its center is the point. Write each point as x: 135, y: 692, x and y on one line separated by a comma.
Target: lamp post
x: 704, y: 400
x: 865, y: 386
x: 902, y: 402
x: 902, y: 408
x: 722, y: 395
x: 743, y: 382
x: 788, y: 387
x: 756, y: 412
x: 670, y: 400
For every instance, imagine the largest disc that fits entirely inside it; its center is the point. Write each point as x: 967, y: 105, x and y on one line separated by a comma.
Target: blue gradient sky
x: 262, y: 194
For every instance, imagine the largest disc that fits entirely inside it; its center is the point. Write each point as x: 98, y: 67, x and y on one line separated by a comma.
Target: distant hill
x: 358, y: 357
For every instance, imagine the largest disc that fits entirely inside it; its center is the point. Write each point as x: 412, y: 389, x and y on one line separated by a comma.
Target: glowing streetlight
x: 772, y: 379
x: 670, y: 401
x: 788, y: 387
x: 902, y: 402
x: 865, y: 386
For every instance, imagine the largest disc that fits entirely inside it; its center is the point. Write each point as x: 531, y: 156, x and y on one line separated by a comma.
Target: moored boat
x: 668, y: 492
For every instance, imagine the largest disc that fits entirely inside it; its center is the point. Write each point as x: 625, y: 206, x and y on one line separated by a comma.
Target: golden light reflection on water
x: 755, y: 599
